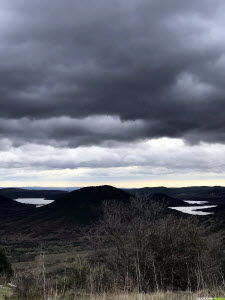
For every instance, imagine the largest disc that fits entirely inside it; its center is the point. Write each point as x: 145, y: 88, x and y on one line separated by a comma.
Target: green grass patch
x: 5, y: 292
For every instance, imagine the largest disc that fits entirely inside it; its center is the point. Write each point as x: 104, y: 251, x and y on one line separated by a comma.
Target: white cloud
x: 159, y: 159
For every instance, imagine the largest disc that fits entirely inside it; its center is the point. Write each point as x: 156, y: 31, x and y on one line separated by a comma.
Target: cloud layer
x: 89, y: 84
x: 159, y: 64
x: 157, y: 162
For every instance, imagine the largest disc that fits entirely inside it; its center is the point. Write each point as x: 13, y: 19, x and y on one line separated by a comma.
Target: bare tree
x: 151, y: 250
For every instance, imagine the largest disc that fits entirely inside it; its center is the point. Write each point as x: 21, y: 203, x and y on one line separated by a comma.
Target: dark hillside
x: 9, y: 207
x: 167, y: 200
x: 15, y: 193
x: 74, y: 209
x: 83, y: 205
x: 215, y: 194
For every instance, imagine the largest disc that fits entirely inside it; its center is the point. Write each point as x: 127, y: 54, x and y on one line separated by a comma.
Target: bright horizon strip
x: 122, y: 184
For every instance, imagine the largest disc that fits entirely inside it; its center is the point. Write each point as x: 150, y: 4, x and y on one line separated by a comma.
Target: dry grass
x: 138, y: 296
x: 154, y: 296
x: 5, y: 292
x: 37, y: 287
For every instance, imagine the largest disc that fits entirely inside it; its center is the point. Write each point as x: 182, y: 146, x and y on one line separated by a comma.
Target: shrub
x: 83, y: 276
x: 5, y: 265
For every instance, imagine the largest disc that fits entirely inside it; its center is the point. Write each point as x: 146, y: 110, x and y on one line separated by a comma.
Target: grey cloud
x: 65, y: 131
x: 157, y: 64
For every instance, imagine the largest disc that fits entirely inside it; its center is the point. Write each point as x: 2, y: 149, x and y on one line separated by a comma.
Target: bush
x: 83, y: 276
x: 5, y: 266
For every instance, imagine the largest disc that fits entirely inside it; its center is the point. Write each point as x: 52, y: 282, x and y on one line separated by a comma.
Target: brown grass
x: 138, y: 296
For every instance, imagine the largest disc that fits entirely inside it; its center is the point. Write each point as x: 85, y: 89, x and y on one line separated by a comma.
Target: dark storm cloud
x: 156, y: 67
x: 65, y: 131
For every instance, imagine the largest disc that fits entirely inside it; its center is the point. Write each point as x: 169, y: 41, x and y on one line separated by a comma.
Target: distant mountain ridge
x: 207, y: 193
x: 15, y: 193
x: 215, y: 194
x: 49, y: 188
x: 179, y: 190
x: 83, y: 206
x: 67, y: 213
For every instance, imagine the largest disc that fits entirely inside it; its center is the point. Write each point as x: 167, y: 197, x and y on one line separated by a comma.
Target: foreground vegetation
x: 9, y: 294
x: 6, y: 293
x: 135, y: 251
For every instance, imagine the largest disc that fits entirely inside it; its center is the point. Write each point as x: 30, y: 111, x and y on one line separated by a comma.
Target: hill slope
x: 166, y: 200
x: 214, y: 195
x: 15, y: 193
x: 75, y: 209
x: 83, y: 205
x: 9, y: 207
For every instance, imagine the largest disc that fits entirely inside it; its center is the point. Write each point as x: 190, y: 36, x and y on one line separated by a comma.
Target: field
x: 24, y: 252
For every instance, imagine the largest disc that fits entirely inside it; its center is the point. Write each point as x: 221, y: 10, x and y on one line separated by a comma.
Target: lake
x: 194, y: 210
x: 36, y: 201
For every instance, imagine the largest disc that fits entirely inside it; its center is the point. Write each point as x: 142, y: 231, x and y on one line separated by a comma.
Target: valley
x: 58, y: 231
x: 56, y: 228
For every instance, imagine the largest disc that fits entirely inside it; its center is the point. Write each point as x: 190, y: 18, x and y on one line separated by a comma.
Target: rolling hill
x: 15, y: 193
x: 10, y: 208
x: 80, y: 207
x: 214, y: 195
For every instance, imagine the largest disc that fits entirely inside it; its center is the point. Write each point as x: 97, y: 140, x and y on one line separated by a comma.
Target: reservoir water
x: 36, y: 201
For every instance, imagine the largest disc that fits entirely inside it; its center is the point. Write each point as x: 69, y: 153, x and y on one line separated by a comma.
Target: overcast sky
x: 121, y: 92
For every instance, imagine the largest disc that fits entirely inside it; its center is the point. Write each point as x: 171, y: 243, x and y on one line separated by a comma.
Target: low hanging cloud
x: 84, y: 72
x: 161, y: 158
